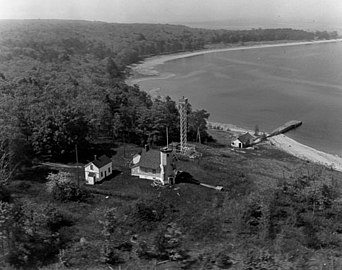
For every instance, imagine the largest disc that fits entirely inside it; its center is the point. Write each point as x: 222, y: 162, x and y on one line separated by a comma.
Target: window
x: 91, y: 167
x: 153, y: 171
x: 108, y: 170
x: 101, y: 174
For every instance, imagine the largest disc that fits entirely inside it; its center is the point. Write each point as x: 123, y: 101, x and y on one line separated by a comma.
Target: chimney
x: 147, y: 147
x: 95, y: 157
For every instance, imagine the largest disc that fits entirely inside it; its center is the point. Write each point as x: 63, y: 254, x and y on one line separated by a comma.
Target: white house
x: 98, y: 169
x: 155, y: 165
x: 242, y: 141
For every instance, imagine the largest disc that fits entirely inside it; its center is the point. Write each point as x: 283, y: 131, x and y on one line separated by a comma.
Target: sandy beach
x: 292, y: 147
x: 146, y: 67
x: 306, y: 153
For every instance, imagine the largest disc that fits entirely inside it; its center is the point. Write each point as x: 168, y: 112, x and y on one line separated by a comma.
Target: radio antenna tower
x: 182, y: 108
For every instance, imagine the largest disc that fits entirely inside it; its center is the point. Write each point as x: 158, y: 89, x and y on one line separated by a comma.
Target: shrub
x: 34, y: 234
x: 57, y: 178
x: 68, y: 191
x: 145, y: 251
x: 150, y: 211
x: 168, y: 243
x: 260, y: 260
x: 81, y: 255
x: 56, y: 220
x: 224, y: 261
x: 310, y: 206
x: 110, y: 255
x: 5, y: 195
x: 206, y: 227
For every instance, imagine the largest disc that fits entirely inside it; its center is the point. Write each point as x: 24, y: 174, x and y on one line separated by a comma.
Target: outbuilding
x: 98, y: 169
x: 243, y: 141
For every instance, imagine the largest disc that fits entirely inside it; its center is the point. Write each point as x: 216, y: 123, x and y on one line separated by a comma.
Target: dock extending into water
x: 286, y: 127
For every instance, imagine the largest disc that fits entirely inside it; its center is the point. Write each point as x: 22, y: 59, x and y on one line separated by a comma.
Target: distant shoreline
x: 146, y: 67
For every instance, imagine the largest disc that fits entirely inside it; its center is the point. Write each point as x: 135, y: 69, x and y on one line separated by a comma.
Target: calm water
x: 266, y: 87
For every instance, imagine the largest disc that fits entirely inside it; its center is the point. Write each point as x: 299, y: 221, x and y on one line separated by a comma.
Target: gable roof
x: 245, y: 138
x: 101, y: 161
x: 150, y: 159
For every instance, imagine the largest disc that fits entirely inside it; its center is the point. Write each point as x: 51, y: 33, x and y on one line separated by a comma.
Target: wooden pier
x: 285, y: 128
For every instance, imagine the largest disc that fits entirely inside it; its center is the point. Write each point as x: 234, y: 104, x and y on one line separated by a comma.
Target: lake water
x: 265, y: 87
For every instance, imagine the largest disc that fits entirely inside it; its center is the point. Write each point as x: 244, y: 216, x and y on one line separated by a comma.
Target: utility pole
x: 167, y: 137
x: 78, y: 179
x: 124, y: 144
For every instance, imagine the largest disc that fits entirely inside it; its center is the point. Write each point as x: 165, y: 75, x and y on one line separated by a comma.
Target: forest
x: 62, y: 84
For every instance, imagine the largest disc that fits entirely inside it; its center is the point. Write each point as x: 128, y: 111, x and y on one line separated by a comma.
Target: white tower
x: 166, y: 167
x: 182, y: 108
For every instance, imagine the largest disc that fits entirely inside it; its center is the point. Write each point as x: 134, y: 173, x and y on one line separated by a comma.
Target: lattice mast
x: 182, y: 108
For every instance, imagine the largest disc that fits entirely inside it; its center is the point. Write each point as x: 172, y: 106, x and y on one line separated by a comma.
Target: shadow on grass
x: 110, y: 177
x: 36, y: 174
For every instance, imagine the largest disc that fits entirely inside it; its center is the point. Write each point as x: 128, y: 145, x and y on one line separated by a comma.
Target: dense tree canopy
x: 62, y: 82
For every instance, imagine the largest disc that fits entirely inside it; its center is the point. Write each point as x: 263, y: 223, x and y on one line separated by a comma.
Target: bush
x: 34, y: 234
x: 224, y: 261
x: 68, y: 191
x: 150, y: 212
x: 110, y: 255
x: 206, y: 227
x: 260, y: 260
x: 168, y: 243
x: 81, y: 255
x: 5, y: 195
x: 309, y: 206
x: 144, y: 251
x: 56, y: 179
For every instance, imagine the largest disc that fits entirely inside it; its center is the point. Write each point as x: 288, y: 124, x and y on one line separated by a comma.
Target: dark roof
x: 150, y: 159
x: 245, y: 138
x: 101, y: 161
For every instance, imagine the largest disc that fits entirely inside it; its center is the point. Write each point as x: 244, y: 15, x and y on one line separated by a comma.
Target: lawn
x: 212, y: 223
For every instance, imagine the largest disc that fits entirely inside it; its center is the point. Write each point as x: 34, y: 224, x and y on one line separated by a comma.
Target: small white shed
x: 98, y: 169
x: 242, y: 141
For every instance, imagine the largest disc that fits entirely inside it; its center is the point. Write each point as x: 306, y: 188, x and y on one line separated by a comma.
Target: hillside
x: 52, y: 40
x: 62, y: 88
x: 276, y: 212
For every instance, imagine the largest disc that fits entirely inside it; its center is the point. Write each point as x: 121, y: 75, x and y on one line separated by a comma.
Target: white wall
x: 87, y: 170
x: 98, y: 171
x: 105, y: 169
x: 146, y: 175
x: 236, y: 143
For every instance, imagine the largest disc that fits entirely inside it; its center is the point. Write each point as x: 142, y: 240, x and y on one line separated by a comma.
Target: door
x: 91, y: 180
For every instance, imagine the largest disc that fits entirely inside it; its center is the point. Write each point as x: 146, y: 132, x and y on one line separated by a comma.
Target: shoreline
x: 282, y: 142
x: 292, y: 147
x: 146, y: 67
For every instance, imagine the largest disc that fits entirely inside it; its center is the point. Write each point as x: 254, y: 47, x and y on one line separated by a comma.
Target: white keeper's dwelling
x: 155, y: 165
x: 243, y: 141
x: 98, y: 169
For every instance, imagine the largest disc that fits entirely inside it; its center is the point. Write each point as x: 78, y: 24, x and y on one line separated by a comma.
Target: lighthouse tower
x: 166, y: 165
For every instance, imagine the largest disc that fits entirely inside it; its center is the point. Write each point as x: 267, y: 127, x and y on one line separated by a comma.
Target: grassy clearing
x: 215, y: 225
